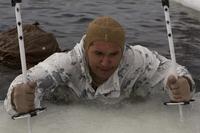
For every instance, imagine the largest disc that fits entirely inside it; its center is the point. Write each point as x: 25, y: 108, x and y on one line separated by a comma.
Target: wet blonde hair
x: 105, y: 29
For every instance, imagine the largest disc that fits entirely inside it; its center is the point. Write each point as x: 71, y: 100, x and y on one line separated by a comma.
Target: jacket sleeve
x: 47, y: 74
x: 156, y: 69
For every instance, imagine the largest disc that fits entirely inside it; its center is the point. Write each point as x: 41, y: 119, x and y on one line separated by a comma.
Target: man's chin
x: 104, y: 76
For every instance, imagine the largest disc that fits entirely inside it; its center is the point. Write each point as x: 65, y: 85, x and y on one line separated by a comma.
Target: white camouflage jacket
x: 64, y: 77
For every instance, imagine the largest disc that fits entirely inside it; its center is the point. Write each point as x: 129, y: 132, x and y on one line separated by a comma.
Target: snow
x: 194, y: 4
x: 146, y: 116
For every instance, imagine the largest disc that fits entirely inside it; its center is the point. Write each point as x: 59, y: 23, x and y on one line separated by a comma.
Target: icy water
x: 144, y: 24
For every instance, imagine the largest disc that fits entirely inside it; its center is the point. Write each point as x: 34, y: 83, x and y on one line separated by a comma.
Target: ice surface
x: 194, y: 4
x: 148, y: 116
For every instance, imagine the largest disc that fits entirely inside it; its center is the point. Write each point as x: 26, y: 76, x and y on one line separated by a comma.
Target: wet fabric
x: 65, y: 77
x: 38, y: 43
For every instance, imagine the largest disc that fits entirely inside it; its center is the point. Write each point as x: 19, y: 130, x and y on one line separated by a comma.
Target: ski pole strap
x: 165, y: 3
x: 13, y: 2
x: 29, y: 114
x: 179, y: 103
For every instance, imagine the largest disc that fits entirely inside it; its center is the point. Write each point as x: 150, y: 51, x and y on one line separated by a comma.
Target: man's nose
x: 105, y: 61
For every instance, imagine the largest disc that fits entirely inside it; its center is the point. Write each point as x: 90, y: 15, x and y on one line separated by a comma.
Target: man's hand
x: 23, y: 96
x: 179, y: 87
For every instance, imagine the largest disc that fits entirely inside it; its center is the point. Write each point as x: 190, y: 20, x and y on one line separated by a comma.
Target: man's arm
x: 46, y: 76
x: 180, y: 87
x: 157, y: 69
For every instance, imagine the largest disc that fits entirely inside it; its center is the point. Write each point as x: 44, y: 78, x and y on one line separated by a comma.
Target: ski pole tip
x: 165, y: 3
x: 13, y: 2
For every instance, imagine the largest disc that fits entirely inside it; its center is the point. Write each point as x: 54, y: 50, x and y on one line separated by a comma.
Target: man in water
x: 101, y: 67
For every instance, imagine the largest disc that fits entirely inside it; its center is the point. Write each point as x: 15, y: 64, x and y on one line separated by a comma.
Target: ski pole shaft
x: 16, y: 3
x: 165, y: 4
x: 169, y: 34
x: 21, y: 41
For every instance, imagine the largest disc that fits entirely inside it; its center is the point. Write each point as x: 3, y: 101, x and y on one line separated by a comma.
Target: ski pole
x: 16, y: 4
x: 165, y: 4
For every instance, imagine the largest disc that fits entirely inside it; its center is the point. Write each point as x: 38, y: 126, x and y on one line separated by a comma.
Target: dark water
x: 142, y: 19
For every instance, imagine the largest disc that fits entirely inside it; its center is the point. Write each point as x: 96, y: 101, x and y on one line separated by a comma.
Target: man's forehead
x: 105, y: 45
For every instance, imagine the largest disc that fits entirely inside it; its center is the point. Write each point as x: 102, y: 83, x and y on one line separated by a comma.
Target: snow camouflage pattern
x: 64, y: 77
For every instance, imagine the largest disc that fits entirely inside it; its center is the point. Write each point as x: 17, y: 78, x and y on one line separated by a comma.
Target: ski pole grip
x: 13, y: 2
x: 165, y: 3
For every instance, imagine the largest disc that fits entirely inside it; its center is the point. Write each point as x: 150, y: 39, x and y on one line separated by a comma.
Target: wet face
x: 103, y: 59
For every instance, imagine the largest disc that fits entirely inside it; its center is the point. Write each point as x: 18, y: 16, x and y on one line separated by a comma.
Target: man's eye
x: 114, y: 54
x: 98, y: 53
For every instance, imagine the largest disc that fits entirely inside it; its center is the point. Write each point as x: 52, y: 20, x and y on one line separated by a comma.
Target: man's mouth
x: 105, y: 69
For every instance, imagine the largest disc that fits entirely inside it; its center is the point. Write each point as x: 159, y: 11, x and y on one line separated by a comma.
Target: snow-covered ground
x: 194, y: 4
x: 148, y: 116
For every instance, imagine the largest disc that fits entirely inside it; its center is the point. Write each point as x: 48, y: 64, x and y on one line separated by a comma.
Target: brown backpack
x: 38, y: 46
